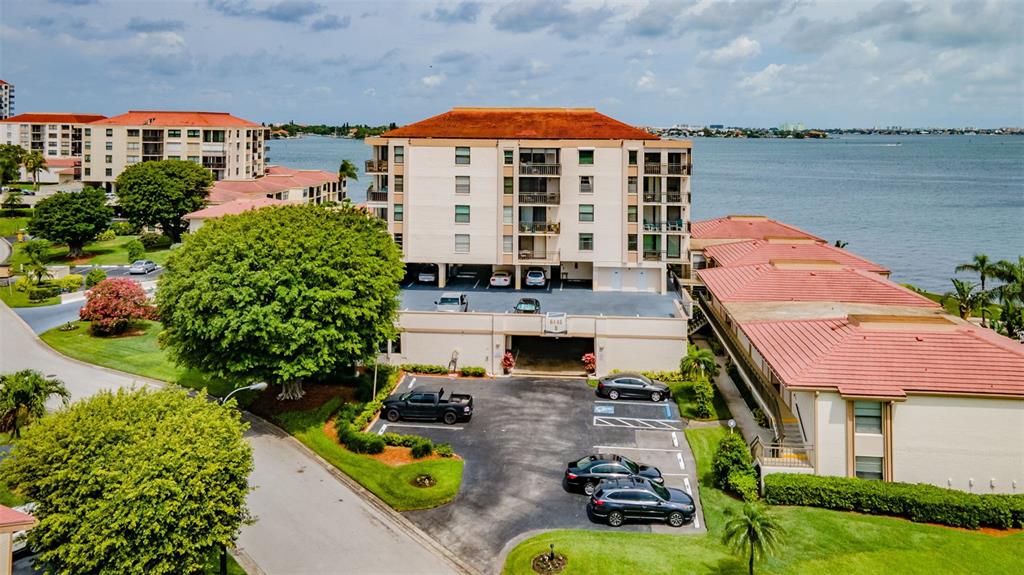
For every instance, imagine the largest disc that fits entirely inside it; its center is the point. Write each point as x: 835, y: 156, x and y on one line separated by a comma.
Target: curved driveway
x: 308, y: 520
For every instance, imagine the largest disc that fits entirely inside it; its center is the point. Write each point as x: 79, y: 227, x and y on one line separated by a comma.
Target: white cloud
x: 764, y: 81
x: 433, y: 80
x: 739, y: 49
x: 646, y: 82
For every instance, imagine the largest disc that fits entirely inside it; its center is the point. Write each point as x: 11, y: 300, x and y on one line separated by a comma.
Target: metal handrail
x: 539, y: 197
x: 376, y: 166
x: 537, y: 255
x: 526, y: 169
x: 552, y: 227
x: 781, y: 454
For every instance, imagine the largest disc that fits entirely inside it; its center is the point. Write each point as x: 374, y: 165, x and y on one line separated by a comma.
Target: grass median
x: 818, y: 541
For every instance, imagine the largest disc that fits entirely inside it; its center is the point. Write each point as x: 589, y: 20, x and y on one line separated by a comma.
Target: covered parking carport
x: 549, y: 354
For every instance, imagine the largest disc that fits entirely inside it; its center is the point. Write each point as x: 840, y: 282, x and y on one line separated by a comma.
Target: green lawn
x: 818, y: 541
x: 110, y: 252
x: 213, y: 567
x: 15, y: 298
x: 951, y: 307
x: 391, y: 484
x: 139, y: 354
x: 685, y: 398
x: 10, y: 226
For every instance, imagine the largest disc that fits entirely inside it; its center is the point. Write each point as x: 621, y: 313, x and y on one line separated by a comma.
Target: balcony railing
x: 538, y: 256
x: 666, y: 169
x: 376, y: 196
x: 540, y: 169
x: 795, y: 455
x: 653, y: 255
x: 550, y: 198
x: 664, y: 197
x: 539, y: 227
x: 379, y: 166
x: 666, y: 226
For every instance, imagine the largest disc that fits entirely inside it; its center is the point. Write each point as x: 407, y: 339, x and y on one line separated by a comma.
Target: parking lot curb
x: 400, y: 520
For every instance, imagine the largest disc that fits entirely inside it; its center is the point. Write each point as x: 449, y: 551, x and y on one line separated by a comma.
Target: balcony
x: 666, y: 169
x: 212, y: 147
x: 540, y: 169
x: 666, y: 226
x: 653, y: 255
x: 376, y: 167
x: 373, y: 195
x: 539, y: 227
x: 544, y: 198
x: 537, y: 256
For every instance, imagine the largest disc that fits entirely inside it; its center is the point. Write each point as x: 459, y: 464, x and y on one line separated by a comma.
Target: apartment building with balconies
x: 571, y: 191
x: 6, y: 100
x: 52, y: 134
x: 230, y: 147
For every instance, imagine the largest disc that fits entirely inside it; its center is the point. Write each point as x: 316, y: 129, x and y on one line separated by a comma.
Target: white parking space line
x: 675, y: 475
x: 689, y: 491
x: 412, y: 383
x: 633, y: 448
x: 626, y: 402
x: 635, y: 423
x: 476, y: 284
x: 675, y: 440
x: 383, y: 428
x: 446, y: 427
x: 679, y: 456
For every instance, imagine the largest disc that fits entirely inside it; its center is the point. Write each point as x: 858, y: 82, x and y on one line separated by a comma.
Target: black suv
x: 586, y: 473
x: 617, y: 500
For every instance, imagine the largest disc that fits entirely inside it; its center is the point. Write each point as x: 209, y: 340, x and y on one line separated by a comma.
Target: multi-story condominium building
x: 53, y: 134
x: 6, y: 100
x: 571, y: 191
x: 230, y: 147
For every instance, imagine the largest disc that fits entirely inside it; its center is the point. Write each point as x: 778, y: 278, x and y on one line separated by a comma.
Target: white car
x: 142, y: 267
x: 452, y: 301
x: 427, y: 276
x: 536, y: 278
x: 501, y: 279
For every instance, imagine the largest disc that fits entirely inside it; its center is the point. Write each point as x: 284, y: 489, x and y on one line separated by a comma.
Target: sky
x: 856, y: 63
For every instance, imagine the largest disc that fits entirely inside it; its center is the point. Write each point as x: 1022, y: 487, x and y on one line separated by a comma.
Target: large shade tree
x: 11, y: 156
x: 137, y: 482
x: 161, y: 193
x: 72, y: 218
x: 281, y: 294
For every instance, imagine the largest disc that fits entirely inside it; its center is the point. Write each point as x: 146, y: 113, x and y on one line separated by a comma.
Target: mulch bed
x: 267, y: 405
x: 544, y: 565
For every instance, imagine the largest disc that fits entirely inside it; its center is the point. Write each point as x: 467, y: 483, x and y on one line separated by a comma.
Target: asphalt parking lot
x: 523, y: 433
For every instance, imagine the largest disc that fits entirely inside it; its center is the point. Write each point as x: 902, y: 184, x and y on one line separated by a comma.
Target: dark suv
x: 618, y: 500
x: 586, y: 473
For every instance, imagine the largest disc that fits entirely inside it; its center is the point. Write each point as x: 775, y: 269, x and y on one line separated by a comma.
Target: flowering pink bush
x: 508, y: 362
x: 113, y: 304
x: 589, y: 362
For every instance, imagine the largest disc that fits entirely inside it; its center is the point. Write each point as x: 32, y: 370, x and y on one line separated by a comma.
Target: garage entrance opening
x: 551, y: 355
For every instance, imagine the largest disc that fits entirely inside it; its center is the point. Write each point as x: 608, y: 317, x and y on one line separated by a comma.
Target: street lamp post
x: 258, y: 386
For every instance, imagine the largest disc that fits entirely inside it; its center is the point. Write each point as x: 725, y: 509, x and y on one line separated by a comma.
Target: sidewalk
x: 737, y: 406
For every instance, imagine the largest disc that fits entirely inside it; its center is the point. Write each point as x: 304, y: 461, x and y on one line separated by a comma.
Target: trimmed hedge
x: 920, y: 502
x: 731, y: 456
x: 744, y: 484
x: 472, y: 372
x: 444, y: 450
x: 425, y: 368
x: 359, y: 441
x: 423, y: 447
x: 704, y: 392
x: 40, y: 293
x: 152, y: 241
x: 370, y: 409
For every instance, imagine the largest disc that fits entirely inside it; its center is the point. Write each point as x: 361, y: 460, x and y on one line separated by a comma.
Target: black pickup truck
x: 429, y: 405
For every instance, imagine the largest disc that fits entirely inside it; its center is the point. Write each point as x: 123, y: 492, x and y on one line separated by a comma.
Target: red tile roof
x: 522, y: 123
x: 762, y: 252
x: 277, y: 179
x: 772, y: 283
x: 62, y: 162
x: 52, y: 118
x: 234, y: 207
x: 12, y: 520
x: 3, y: 83
x: 746, y: 228
x: 175, y: 119
x: 860, y: 360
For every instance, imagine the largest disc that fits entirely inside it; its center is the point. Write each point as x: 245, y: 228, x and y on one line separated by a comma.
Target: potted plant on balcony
x: 589, y: 363
x: 508, y: 362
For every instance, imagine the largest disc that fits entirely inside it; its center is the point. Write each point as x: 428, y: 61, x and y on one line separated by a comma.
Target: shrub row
x: 371, y: 408
x: 42, y: 292
x: 704, y: 396
x: 918, y: 502
x: 425, y: 368
x: 358, y: 441
x: 17, y: 212
x: 732, y: 467
x: 152, y: 241
x: 472, y: 372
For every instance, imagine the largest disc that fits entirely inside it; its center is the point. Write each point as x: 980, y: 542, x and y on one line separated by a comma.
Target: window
x: 110, y: 159
x: 506, y: 244
x: 399, y: 184
x: 131, y: 146
x: 88, y: 131
x: 193, y: 159
x: 179, y: 157
x: 586, y: 157
x: 868, y: 467
x: 214, y: 136
x: 461, y: 184
x: 399, y: 239
x: 632, y: 157
x: 88, y: 145
x: 132, y: 133
x: 399, y: 212
x: 462, y: 243
x: 173, y: 133
x: 631, y: 184
x: 88, y: 157
x: 52, y: 153
x: 88, y: 171
x: 110, y: 132
x: 462, y: 214
x: 586, y: 184
x: 132, y: 160
x: 586, y: 212
x: 631, y: 242
x: 461, y: 155
x: 867, y: 416
x: 193, y: 133
x: 108, y: 146
x: 506, y: 215
x: 399, y: 154
x: 509, y: 185
x: 509, y: 158
x: 631, y: 214
x: 586, y: 242
x: 109, y: 172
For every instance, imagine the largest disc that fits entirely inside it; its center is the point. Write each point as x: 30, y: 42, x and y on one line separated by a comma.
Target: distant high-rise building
x: 792, y: 127
x: 6, y: 100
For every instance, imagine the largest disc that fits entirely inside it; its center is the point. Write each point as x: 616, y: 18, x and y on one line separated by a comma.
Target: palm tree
x: 980, y: 265
x: 754, y: 532
x: 345, y: 171
x: 23, y: 397
x: 841, y: 244
x: 1012, y: 276
x: 967, y: 300
x: 698, y: 363
x: 36, y: 251
x: 34, y: 163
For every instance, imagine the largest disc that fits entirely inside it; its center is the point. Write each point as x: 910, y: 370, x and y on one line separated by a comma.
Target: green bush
x: 370, y: 409
x: 71, y: 282
x: 22, y: 283
x: 124, y: 229
x: 918, y: 502
x: 106, y: 236
x: 744, y: 484
x: 399, y: 440
x: 668, y: 377
x: 135, y: 250
x: 760, y: 417
x: 95, y: 276
x: 704, y: 394
x: 17, y: 213
x: 153, y: 241
x: 472, y: 372
x: 358, y: 441
x: 444, y: 450
x: 40, y: 293
x: 425, y: 368
x: 716, y: 346
x: 423, y: 447
x: 731, y: 456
